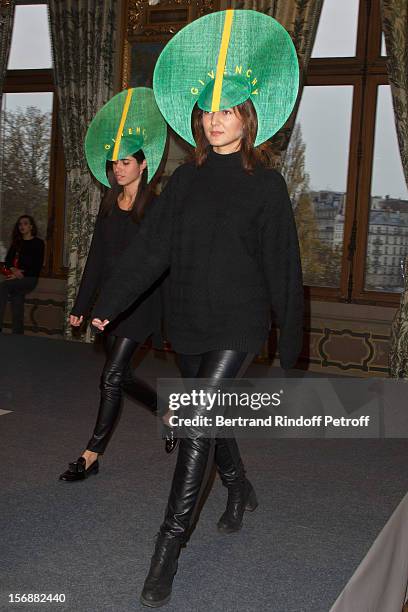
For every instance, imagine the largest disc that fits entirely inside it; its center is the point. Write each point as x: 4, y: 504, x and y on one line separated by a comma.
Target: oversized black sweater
x: 230, y: 240
x: 30, y: 256
x: 112, y: 234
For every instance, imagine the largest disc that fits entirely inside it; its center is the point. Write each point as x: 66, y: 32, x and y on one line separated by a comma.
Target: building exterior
x: 327, y: 205
x: 387, y: 240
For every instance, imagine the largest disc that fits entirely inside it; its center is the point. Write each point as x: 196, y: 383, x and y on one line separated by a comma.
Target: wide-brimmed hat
x: 223, y: 59
x: 130, y: 121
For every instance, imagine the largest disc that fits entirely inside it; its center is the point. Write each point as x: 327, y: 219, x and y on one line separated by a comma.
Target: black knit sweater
x: 231, y: 241
x: 112, y: 234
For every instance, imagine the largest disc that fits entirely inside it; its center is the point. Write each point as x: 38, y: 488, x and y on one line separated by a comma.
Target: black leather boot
x: 190, y: 477
x: 158, y: 584
x: 241, y: 495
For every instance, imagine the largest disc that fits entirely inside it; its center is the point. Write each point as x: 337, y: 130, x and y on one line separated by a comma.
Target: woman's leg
x: 17, y: 310
x: 189, y: 480
x: 133, y: 386
x: 241, y: 495
x: 227, y: 458
x: 3, y: 299
x: 196, y: 454
x: 15, y: 290
x: 139, y: 390
x: 142, y: 392
x: 119, y: 353
x: 111, y: 392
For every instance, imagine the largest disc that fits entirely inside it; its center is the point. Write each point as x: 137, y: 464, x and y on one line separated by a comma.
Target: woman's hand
x: 100, y: 324
x: 75, y: 321
x: 17, y: 273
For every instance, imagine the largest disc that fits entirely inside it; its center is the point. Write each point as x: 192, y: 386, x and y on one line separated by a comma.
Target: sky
x: 324, y: 112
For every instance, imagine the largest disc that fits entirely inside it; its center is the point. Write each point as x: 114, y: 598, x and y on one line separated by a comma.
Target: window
x: 31, y: 41
x: 352, y: 203
x: 389, y: 198
x: 25, y: 159
x: 31, y: 161
x: 320, y: 210
x: 336, y: 34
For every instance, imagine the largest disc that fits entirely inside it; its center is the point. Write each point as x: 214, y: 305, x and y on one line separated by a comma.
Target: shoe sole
x: 94, y: 471
x: 157, y: 604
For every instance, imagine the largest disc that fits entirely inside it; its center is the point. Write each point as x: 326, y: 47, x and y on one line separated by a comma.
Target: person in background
x: 118, y: 223
x: 21, y: 270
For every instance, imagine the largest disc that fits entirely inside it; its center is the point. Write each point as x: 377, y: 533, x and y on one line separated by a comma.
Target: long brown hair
x: 16, y: 238
x: 142, y: 197
x: 251, y: 156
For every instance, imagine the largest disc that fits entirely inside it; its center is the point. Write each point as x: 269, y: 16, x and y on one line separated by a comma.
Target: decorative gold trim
x: 5, y: 8
x: 126, y: 65
x: 138, y: 11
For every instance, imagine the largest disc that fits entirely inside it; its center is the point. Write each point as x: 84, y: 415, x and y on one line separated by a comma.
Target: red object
x: 5, y: 271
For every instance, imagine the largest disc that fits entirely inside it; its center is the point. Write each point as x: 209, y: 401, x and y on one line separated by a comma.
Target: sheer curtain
x: 83, y: 34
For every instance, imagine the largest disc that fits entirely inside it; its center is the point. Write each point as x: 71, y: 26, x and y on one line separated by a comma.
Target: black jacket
x: 231, y: 241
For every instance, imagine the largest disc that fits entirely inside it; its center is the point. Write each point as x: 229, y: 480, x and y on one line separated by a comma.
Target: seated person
x: 20, y: 272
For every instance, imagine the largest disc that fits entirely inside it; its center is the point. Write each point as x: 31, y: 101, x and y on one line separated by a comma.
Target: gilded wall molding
x: 154, y: 25
x: 138, y: 24
x: 125, y: 64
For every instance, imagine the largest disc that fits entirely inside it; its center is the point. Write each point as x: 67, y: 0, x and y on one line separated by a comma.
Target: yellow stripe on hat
x: 222, y: 58
x: 121, y: 125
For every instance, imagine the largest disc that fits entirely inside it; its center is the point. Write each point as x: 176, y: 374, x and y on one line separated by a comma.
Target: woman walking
x: 225, y: 225
x: 118, y: 223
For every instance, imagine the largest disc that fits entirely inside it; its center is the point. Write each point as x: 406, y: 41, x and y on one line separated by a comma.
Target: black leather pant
x: 196, y: 455
x: 117, y: 375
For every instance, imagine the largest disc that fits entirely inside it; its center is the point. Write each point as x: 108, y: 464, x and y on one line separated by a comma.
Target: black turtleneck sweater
x: 231, y: 243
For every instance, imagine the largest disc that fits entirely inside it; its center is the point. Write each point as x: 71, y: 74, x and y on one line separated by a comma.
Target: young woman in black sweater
x: 21, y: 270
x: 225, y: 226
x: 117, y: 224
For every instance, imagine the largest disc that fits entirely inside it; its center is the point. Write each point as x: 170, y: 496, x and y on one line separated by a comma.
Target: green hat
x: 223, y: 59
x: 130, y: 121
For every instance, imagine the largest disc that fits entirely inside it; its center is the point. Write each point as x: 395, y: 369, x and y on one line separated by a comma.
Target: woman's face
x: 128, y: 170
x: 223, y: 130
x: 25, y: 227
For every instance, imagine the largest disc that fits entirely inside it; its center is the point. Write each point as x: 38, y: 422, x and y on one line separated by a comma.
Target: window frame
x: 365, y: 72
x: 42, y: 80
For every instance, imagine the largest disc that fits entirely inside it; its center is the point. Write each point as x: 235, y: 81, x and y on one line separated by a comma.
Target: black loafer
x: 171, y: 441
x: 78, y: 471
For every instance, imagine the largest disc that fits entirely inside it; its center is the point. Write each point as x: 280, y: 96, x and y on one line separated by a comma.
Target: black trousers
x: 117, y: 376
x: 196, y: 455
x: 15, y: 291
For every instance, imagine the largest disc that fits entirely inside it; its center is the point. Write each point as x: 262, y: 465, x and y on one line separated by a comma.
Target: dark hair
x: 16, y: 237
x: 142, y: 197
x: 250, y: 155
